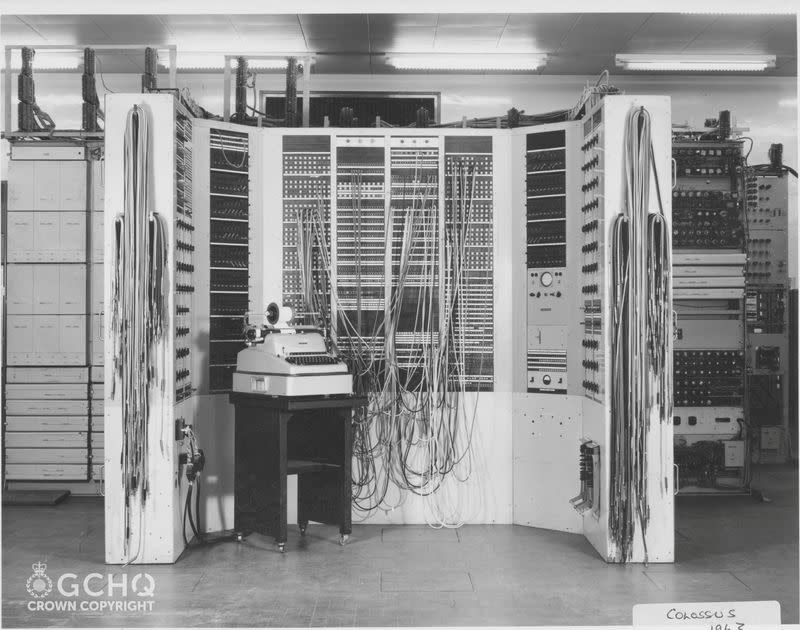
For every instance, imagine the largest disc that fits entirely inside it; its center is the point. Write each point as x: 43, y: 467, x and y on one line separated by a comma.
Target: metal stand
x: 310, y: 437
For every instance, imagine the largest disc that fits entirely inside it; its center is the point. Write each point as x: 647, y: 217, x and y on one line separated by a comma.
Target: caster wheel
x: 239, y: 537
x: 343, y: 538
x: 282, y: 547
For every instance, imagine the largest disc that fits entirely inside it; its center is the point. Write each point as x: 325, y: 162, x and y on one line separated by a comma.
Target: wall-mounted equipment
x: 149, y: 321
x: 709, y: 239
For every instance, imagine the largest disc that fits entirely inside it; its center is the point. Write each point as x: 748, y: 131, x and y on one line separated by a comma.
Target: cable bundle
x: 416, y: 431
x: 139, y: 313
x: 641, y: 319
x: 30, y: 116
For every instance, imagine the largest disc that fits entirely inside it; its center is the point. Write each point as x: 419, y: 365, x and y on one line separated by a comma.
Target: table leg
x: 261, y: 462
x: 346, y: 491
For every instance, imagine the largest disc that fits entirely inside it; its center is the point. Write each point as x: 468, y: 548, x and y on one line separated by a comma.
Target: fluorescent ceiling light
x: 44, y: 60
x: 695, y: 63
x: 215, y: 61
x: 465, y: 61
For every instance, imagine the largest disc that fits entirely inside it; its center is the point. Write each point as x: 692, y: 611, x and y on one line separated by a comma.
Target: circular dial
x: 547, y: 279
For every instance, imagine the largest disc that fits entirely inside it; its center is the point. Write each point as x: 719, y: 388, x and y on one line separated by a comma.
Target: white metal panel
x: 47, y: 185
x: 546, y: 437
x: 46, y: 439
x: 46, y: 237
x: 19, y: 289
x: 46, y: 391
x: 19, y: 341
x: 47, y: 407
x: 46, y: 375
x: 47, y: 423
x: 46, y: 288
x: 46, y: 152
x: 46, y: 472
x: 20, y: 236
x: 20, y: 185
x: 47, y: 332
x: 72, y: 194
x: 73, y: 236
x: 72, y: 289
x: 47, y: 456
x: 73, y: 335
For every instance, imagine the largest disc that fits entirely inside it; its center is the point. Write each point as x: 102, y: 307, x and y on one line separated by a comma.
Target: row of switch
x: 594, y: 203
x: 591, y: 164
x: 592, y: 142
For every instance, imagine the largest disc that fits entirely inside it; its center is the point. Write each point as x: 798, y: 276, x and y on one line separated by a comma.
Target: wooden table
x: 307, y: 436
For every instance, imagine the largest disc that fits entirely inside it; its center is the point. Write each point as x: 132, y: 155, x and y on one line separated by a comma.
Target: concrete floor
x: 727, y: 549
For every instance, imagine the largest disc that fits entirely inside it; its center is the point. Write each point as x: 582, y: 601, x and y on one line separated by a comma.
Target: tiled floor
x: 727, y: 549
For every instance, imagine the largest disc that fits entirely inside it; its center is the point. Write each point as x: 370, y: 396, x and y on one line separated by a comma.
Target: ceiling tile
x: 662, y: 45
x: 289, y: 19
x: 396, y: 20
x: 74, y: 34
x: 519, y: 44
x: 405, y: 39
x: 267, y: 32
x: 733, y: 33
x: 601, y: 32
x: 333, y: 21
x: 404, y: 42
x: 465, y: 33
x: 672, y: 26
x: 56, y: 19
x: 336, y: 44
x: 472, y: 19
x: 133, y: 29
x: 544, y: 31
x: 194, y: 20
x: 13, y: 34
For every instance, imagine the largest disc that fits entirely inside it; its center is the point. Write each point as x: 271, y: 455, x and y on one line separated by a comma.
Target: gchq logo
x: 120, y: 593
x: 38, y: 584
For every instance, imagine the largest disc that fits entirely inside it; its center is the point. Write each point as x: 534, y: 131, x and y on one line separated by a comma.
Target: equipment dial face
x: 547, y: 279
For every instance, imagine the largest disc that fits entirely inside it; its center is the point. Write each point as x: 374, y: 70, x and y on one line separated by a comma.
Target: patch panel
x: 474, y: 320
x: 306, y: 164
x: 592, y: 225
x: 229, y: 237
x: 414, y: 211
x: 361, y: 238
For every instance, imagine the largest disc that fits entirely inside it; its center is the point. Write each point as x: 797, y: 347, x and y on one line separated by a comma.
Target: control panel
x: 709, y: 237
x: 546, y: 241
x: 767, y: 313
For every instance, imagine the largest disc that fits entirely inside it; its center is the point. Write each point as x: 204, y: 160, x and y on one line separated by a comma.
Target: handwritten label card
x: 708, y: 616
